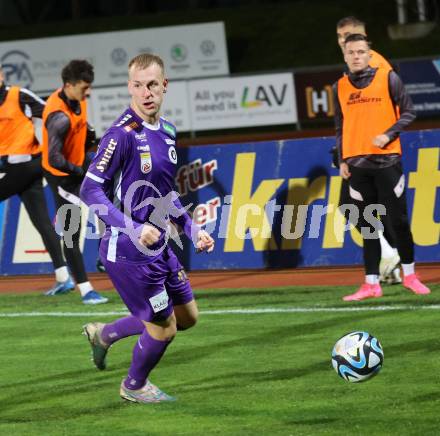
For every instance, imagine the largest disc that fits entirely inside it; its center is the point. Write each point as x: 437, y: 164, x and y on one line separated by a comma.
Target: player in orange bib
x: 21, y: 173
x: 65, y: 138
x: 371, y: 110
x: 389, y: 264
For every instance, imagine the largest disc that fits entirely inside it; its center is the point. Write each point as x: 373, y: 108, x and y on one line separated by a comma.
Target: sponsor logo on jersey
x: 159, y: 302
x: 169, y: 129
x: 141, y: 137
x: 146, y: 163
x: 356, y: 97
x: 133, y: 125
x: 145, y: 147
x: 172, y: 154
x: 170, y: 141
x: 107, y: 155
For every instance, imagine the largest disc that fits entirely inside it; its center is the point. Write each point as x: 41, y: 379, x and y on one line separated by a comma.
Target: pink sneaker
x: 365, y: 291
x: 414, y: 284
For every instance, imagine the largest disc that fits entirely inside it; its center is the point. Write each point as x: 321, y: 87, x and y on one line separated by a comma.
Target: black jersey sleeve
x: 31, y: 105
x: 57, y: 125
x: 401, y: 100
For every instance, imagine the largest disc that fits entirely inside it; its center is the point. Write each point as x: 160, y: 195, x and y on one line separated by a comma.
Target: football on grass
x: 357, y: 356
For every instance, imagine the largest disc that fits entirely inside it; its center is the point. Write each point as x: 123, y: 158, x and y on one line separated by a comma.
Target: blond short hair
x: 144, y: 60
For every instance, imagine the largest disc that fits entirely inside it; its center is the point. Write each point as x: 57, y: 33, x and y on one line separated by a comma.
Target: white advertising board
x: 107, y: 104
x: 29, y: 247
x: 196, y: 50
x: 242, y: 101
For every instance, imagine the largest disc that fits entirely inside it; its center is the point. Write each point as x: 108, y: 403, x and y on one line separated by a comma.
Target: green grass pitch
x: 264, y: 372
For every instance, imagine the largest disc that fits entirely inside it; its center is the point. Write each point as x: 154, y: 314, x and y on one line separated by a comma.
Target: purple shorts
x: 150, y: 291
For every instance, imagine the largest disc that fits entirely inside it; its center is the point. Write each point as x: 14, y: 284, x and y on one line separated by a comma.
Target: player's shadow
x: 283, y: 249
x: 231, y: 380
x: 271, y: 336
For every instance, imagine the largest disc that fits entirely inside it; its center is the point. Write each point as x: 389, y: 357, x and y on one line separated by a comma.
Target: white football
x: 357, y: 356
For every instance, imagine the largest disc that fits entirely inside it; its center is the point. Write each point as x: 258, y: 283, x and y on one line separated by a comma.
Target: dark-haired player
x: 65, y: 134
x: 389, y: 264
x: 371, y: 110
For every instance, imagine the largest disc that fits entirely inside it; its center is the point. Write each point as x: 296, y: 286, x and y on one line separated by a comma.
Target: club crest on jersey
x: 146, y: 163
x: 172, y: 154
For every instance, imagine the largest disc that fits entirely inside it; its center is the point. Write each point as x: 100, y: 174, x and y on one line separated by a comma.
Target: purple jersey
x: 132, y: 179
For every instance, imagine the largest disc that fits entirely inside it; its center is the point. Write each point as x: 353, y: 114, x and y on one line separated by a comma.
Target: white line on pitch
x: 235, y: 311
x: 318, y: 309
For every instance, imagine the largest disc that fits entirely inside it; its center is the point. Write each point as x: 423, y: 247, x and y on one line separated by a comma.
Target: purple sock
x: 146, y: 355
x: 122, y: 328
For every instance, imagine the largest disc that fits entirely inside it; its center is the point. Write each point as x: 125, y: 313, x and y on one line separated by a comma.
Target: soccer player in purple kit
x: 131, y: 182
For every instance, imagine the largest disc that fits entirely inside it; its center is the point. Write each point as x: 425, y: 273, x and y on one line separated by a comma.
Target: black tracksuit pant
x: 26, y: 180
x: 383, y: 186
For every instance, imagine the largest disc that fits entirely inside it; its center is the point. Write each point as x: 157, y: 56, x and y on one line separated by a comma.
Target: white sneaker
x: 147, y: 394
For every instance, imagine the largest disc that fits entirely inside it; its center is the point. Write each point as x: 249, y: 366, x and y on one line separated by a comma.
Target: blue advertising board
x: 280, y: 176
x: 422, y: 82
x: 273, y: 204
